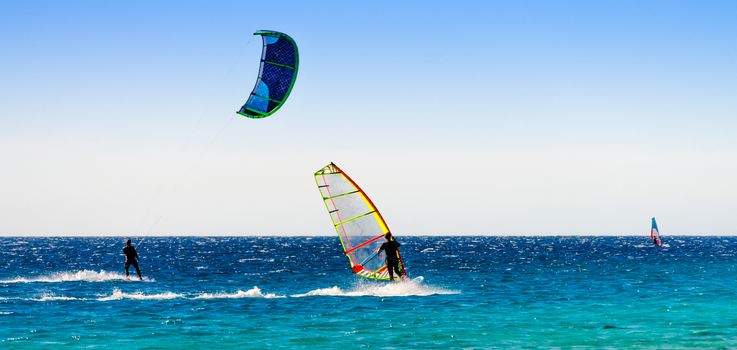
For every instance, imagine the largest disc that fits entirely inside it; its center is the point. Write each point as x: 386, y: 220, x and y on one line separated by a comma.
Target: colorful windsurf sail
x: 276, y: 76
x: 655, y: 234
x: 359, y: 225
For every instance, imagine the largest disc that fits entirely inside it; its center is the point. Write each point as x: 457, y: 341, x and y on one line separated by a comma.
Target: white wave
x: 119, y: 295
x: 52, y: 297
x: 396, y: 289
x: 16, y: 339
x: 254, y: 292
x: 6, y: 312
x: 332, y: 291
x: 78, y: 276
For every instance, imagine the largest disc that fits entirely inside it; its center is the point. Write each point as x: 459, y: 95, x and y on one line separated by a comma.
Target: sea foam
x: 78, y: 276
x: 398, y: 289
x: 52, y: 297
x: 254, y: 292
x: 119, y: 295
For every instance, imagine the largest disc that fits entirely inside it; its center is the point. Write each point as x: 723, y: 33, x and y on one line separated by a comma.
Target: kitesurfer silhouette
x: 131, y: 257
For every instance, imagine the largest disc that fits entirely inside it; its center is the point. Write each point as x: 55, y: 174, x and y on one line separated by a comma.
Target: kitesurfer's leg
x: 127, y: 265
x: 138, y: 271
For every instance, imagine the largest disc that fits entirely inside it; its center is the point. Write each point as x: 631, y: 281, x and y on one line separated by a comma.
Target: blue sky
x: 489, y: 117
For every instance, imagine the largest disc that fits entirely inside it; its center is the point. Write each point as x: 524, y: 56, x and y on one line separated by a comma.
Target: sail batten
x: 357, y: 222
x: 341, y: 195
x: 363, y: 244
x: 355, y: 218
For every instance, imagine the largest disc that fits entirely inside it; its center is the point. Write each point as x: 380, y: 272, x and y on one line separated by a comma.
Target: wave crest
x: 119, y: 295
x: 397, y: 289
x: 254, y: 292
x: 78, y: 276
x: 53, y: 297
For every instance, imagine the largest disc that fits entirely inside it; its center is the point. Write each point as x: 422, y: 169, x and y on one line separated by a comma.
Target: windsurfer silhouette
x: 131, y: 257
x: 654, y: 234
x: 391, y: 247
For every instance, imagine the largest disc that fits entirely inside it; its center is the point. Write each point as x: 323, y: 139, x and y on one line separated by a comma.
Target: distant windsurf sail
x: 359, y: 224
x: 276, y: 75
x: 655, y: 234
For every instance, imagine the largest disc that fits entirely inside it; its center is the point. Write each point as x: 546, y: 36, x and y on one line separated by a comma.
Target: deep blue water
x: 297, y: 292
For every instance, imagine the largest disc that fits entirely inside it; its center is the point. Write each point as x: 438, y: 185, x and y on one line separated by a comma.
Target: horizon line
x: 333, y: 235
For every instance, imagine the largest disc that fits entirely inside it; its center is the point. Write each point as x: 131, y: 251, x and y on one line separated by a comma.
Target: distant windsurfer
x: 131, y: 258
x: 654, y: 234
x: 391, y: 247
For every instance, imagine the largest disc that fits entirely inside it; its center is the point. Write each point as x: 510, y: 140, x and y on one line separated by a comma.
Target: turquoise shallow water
x: 297, y: 292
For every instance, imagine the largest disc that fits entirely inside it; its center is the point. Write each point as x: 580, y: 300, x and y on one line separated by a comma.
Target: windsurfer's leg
x: 127, y: 265
x: 395, y: 266
x: 392, y: 266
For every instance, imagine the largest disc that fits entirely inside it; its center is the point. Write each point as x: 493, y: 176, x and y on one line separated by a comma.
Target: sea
x: 475, y: 292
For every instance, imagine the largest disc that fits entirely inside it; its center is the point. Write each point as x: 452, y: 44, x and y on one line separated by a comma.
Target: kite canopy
x: 276, y: 76
x: 359, y: 224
